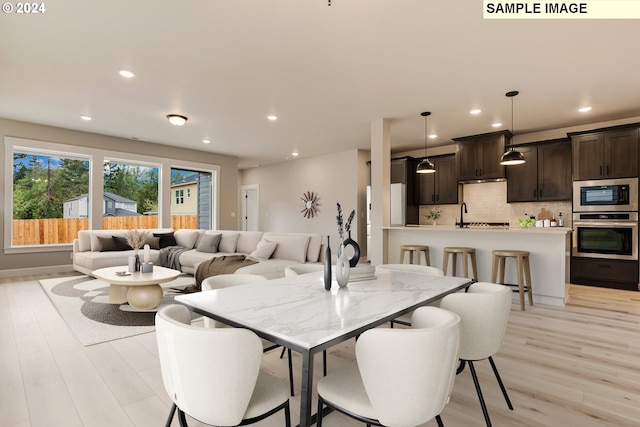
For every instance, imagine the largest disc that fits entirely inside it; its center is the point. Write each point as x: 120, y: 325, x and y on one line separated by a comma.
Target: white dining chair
x: 213, y: 374
x: 484, y: 310
x: 405, y: 319
x: 228, y: 280
x: 401, y: 377
x: 296, y: 269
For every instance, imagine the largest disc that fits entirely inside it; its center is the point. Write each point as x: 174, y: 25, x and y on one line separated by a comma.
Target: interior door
x: 250, y: 208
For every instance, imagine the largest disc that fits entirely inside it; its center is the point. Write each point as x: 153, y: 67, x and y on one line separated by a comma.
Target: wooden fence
x: 53, y: 231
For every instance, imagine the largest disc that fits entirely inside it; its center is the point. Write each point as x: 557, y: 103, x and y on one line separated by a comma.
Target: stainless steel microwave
x: 606, y: 195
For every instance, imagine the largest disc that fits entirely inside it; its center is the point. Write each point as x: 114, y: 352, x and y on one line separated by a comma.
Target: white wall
x: 336, y: 177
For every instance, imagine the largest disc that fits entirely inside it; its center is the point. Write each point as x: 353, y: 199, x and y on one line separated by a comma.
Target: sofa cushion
x: 209, y: 243
x: 107, y: 244
x: 264, y: 250
x: 186, y: 237
x: 153, y: 242
x: 290, y: 246
x: 166, y: 239
x: 228, y: 242
x: 248, y: 241
x: 120, y: 243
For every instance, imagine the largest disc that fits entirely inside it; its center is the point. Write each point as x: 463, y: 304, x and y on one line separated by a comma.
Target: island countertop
x: 549, y: 249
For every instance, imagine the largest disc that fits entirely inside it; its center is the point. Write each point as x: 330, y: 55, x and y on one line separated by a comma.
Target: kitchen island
x: 549, y: 248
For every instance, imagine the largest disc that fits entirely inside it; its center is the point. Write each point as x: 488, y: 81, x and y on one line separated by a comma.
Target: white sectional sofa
x: 273, y: 251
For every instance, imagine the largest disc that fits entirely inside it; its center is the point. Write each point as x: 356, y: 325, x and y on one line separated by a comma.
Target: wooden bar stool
x: 468, y: 254
x: 417, y: 249
x: 523, y: 270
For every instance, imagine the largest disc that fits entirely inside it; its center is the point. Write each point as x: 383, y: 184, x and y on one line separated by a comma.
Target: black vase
x: 327, y: 266
x: 138, y: 263
x: 353, y: 261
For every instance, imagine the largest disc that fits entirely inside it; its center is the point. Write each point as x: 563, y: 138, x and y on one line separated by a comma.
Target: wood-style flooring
x: 573, y: 366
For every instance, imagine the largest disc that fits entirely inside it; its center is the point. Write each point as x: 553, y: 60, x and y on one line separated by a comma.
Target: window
x: 50, y: 197
x: 48, y: 192
x: 131, y: 195
x: 196, y: 211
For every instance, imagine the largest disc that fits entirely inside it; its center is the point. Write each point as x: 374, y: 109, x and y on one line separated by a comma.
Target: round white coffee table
x: 141, y: 290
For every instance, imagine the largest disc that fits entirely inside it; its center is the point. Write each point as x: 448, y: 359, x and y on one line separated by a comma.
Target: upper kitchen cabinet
x: 438, y: 188
x: 605, y: 154
x: 545, y: 175
x: 479, y: 156
x: 403, y: 171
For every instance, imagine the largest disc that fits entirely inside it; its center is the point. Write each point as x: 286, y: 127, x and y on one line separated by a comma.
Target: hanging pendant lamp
x: 512, y: 156
x: 425, y: 165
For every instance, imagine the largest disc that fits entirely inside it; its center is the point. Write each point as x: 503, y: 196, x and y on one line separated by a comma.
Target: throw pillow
x: 106, y: 244
x: 153, y: 242
x: 209, y: 243
x: 264, y: 250
x: 121, y: 243
x: 166, y: 239
x: 228, y: 242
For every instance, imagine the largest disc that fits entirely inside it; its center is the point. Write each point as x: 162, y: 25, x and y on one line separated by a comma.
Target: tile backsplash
x: 487, y: 202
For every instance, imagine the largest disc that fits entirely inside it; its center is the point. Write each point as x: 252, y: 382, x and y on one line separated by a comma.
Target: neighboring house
x: 113, y: 205
x: 184, y: 196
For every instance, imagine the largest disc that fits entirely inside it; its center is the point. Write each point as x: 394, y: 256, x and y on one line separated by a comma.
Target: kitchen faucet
x: 463, y: 205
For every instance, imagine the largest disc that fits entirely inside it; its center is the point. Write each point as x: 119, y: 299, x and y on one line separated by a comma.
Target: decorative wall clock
x: 310, y: 207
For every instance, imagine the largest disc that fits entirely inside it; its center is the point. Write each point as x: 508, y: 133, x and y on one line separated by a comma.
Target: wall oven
x: 607, y: 235
x: 606, y: 195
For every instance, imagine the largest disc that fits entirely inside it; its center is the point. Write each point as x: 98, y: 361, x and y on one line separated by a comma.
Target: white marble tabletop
x: 299, y: 311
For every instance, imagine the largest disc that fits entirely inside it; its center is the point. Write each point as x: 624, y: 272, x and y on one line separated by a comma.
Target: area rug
x: 83, y: 302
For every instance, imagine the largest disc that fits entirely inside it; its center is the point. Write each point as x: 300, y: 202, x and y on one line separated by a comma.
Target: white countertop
x: 551, y: 230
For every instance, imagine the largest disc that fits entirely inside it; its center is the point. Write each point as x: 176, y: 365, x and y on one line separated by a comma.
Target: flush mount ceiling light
x: 511, y: 156
x: 176, y: 119
x: 425, y: 166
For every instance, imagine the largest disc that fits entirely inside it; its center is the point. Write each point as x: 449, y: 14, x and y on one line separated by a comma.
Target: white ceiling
x: 326, y: 71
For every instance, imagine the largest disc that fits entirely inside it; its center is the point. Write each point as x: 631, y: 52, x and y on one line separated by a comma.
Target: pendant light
x: 425, y: 166
x: 512, y: 156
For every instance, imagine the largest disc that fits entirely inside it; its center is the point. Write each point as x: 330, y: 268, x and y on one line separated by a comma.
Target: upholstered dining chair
x: 213, y: 374
x: 405, y: 319
x: 484, y: 310
x: 296, y: 269
x: 228, y: 280
x: 401, y: 377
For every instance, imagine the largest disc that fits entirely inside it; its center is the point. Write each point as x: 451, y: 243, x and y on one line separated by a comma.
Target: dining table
x: 298, y: 313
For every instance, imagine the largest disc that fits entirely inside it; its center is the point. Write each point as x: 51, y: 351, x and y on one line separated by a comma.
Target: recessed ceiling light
x: 295, y: 154
x: 496, y: 125
x: 86, y: 118
x: 272, y: 118
x: 206, y: 141
x: 127, y: 74
x: 476, y: 111
x: 433, y: 136
x: 584, y: 109
x: 177, y: 119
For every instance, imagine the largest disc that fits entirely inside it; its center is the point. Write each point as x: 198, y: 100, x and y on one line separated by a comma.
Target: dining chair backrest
x: 210, y: 374
x: 296, y: 269
x: 413, y: 267
x: 484, y: 310
x: 407, y: 373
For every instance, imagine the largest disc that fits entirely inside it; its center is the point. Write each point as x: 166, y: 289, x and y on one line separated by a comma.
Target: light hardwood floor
x: 572, y: 366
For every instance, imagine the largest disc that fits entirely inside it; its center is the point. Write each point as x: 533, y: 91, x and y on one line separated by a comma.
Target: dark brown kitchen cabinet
x: 545, y: 175
x: 609, y: 154
x: 479, y: 156
x: 438, y: 188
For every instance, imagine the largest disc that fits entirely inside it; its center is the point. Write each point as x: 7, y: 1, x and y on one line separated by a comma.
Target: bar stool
x: 523, y: 269
x: 417, y: 249
x: 468, y: 254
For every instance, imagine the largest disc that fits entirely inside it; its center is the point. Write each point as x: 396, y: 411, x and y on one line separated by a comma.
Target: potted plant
x: 433, y: 215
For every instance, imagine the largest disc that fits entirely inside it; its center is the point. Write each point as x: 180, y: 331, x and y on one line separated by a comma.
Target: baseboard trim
x: 31, y: 271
